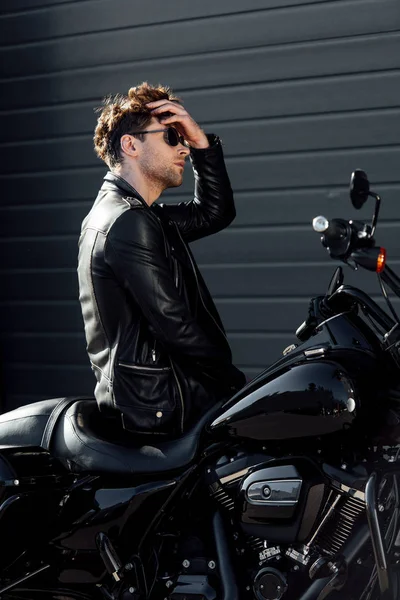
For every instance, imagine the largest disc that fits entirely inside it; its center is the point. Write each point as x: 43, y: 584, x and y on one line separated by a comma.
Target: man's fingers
x: 178, y: 122
x: 165, y: 109
x: 183, y: 123
x: 174, y: 119
x: 165, y: 106
x: 181, y: 119
x: 163, y: 101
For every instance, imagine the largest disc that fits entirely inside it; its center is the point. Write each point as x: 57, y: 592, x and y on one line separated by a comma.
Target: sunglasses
x: 171, y: 136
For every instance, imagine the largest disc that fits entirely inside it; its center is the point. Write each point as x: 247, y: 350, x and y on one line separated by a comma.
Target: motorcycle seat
x: 24, y: 426
x: 90, y: 442
x: 86, y: 441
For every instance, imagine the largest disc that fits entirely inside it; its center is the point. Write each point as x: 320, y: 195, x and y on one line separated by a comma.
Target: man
x: 154, y: 337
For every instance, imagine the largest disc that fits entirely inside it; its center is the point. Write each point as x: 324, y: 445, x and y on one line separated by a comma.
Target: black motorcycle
x: 289, y: 490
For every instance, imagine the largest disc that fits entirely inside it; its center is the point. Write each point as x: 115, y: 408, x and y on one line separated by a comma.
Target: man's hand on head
x: 179, y: 118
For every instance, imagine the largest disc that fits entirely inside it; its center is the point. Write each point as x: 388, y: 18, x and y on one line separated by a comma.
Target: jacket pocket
x: 143, y: 368
x: 146, y: 396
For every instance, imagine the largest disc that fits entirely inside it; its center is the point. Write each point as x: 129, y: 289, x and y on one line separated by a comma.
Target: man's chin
x: 174, y: 183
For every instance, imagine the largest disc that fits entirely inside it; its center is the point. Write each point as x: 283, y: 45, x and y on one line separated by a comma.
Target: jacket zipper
x: 197, y: 284
x: 180, y: 393
x: 153, y: 355
x: 143, y: 368
x: 153, y: 352
x: 176, y: 274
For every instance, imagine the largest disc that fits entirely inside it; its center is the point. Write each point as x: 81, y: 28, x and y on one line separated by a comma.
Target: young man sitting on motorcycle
x: 154, y: 337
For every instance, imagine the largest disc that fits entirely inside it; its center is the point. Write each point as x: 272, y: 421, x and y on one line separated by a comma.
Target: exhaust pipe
x: 229, y: 587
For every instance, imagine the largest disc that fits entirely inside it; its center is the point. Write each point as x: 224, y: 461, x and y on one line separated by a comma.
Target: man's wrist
x: 201, y: 143
x: 213, y: 141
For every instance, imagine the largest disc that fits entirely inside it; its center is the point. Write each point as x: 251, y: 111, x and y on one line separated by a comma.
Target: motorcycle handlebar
x: 334, y: 230
x: 361, y: 298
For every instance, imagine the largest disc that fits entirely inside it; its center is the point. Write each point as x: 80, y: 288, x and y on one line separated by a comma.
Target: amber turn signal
x: 381, y: 260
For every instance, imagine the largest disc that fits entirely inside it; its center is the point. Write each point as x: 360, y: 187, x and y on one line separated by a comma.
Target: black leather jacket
x: 154, y: 337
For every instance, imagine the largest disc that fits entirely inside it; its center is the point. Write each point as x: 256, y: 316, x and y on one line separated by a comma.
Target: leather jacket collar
x: 123, y: 185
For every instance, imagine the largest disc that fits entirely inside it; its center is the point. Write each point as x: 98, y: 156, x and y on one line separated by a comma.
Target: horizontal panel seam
x: 211, y: 53
x: 55, y: 367
x: 60, y: 4
x: 302, y: 227
x: 41, y: 7
x: 285, y: 264
x: 52, y: 366
x: 282, y: 82
x: 226, y: 300
x: 206, y: 17
x: 177, y: 197
x: 300, y: 117
x: 184, y: 20
x: 229, y: 158
x: 80, y: 334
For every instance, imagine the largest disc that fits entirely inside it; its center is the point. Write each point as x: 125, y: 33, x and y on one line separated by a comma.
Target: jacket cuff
x: 214, y: 147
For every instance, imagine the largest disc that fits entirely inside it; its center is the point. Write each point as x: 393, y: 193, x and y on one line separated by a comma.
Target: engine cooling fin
x: 220, y: 495
x: 256, y: 544
x: 341, y: 524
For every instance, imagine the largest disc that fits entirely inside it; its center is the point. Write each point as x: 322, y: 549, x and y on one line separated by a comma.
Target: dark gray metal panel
x: 82, y: 17
x: 213, y: 107
x: 254, y: 172
x: 38, y: 284
x: 223, y: 32
x: 49, y: 381
x: 234, y: 245
x: 257, y: 137
x: 69, y: 349
x: 271, y: 63
x: 282, y: 280
x: 44, y: 315
x: 225, y: 281
x: 19, y: 7
x: 261, y: 207
x: 239, y: 314
x: 53, y: 348
x: 301, y: 93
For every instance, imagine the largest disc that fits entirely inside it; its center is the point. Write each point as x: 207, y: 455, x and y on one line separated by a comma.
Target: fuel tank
x: 300, y: 401
x: 314, y: 390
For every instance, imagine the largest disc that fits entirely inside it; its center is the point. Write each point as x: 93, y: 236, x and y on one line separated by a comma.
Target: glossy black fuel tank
x: 301, y: 400
x: 313, y: 390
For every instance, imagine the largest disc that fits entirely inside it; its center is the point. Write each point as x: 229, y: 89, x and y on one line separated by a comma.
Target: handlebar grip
x: 304, y: 331
x: 334, y: 230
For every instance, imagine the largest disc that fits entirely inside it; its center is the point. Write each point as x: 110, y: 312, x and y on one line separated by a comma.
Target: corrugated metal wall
x: 301, y: 94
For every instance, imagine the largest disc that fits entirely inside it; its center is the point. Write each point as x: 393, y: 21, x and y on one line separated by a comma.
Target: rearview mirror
x: 359, y: 188
x: 336, y: 281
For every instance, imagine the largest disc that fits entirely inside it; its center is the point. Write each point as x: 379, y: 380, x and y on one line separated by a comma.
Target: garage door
x: 301, y: 93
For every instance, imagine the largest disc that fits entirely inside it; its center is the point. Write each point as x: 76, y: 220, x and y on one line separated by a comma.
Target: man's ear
x: 129, y: 145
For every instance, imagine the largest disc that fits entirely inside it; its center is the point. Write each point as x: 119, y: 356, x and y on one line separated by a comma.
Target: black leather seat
x: 24, y: 426
x: 83, y: 438
x: 88, y: 442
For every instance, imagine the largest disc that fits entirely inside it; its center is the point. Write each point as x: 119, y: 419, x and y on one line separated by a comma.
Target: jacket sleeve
x: 212, y: 208
x: 135, y: 251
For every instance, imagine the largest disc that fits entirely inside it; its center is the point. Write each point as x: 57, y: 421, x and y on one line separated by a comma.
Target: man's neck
x: 148, y: 191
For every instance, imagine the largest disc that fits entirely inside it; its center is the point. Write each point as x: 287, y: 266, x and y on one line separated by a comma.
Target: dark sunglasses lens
x: 173, y: 138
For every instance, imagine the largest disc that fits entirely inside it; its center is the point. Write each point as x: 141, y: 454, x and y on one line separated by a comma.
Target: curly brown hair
x: 120, y: 114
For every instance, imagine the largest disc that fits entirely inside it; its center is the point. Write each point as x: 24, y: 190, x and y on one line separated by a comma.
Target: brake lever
x: 315, y: 311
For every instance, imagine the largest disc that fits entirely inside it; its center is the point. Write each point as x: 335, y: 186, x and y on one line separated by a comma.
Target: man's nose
x: 183, y: 150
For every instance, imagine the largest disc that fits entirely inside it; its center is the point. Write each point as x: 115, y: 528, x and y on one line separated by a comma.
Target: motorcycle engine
x: 289, y: 521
